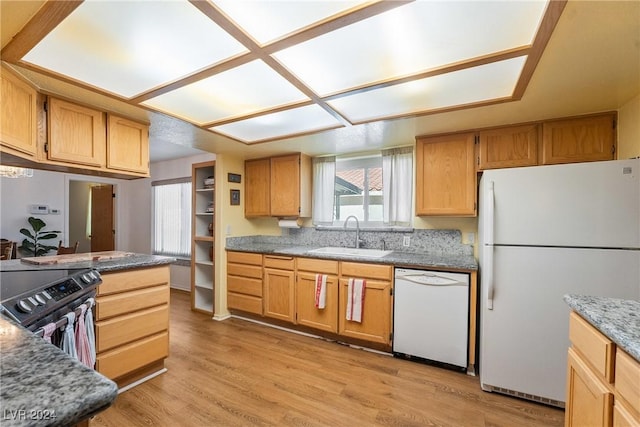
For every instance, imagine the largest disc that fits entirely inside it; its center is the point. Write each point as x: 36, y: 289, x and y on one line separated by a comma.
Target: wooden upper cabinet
x: 76, y: 134
x: 18, y: 114
x: 446, y: 175
x: 257, y: 174
x: 278, y: 186
x: 583, y: 139
x: 127, y: 145
x: 289, y: 193
x: 508, y: 147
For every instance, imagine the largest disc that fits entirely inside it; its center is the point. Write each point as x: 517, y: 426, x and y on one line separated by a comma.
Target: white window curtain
x: 172, y: 217
x: 397, y: 186
x: 324, y: 181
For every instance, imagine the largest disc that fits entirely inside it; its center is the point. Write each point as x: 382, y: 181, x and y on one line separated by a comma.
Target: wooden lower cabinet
x: 244, y: 282
x: 591, y: 402
x: 132, y: 323
x: 603, y: 382
x: 307, y: 314
x: 279, y: 288
x: 376, y: 313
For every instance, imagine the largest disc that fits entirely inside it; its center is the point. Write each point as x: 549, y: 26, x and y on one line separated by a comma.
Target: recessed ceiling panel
x: 128, y: 47
x: 246, y: 89
x: 484, y: 83
x: 409, y: 39
x: 269, y: 20
x: 311, y: 118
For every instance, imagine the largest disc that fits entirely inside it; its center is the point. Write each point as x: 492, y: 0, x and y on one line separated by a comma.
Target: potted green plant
x: 32, y: 244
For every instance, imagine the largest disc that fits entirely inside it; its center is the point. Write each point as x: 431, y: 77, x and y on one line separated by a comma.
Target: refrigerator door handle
x: 488, y: 250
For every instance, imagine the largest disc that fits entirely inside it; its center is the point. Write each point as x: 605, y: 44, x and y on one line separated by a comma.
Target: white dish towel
x: 321, y: 291
x: 68, y: 344
x: 355, y: 299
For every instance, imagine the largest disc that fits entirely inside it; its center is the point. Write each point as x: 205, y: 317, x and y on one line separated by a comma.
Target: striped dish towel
x: 321, y: 291
x: 83, y: 348
x: 355, y: 299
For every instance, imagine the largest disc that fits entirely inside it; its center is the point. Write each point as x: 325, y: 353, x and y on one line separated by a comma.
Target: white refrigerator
x: 544, y: 232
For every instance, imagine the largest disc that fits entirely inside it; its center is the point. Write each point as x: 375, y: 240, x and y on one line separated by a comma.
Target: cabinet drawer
x: 244, y: 258
x: 244, y: 270
x: 243, y: 302
x: 282, y: 263
x: 317, y: 265
x: 244, y: 285
x: 125, y: 329
x: 128, y: 280
x: 123, y: 303
x: 628, y: 379
x: 128, y: 358
x: 592, y: 345
x: 373, y: 271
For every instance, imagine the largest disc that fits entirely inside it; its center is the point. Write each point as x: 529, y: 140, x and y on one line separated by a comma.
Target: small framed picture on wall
x: 235, y: 197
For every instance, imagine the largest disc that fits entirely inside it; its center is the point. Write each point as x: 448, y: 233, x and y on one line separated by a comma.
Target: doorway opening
x: 91, y: 215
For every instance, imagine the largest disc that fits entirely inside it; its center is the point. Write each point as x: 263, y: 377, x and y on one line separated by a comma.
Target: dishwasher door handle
x: 420, y: 282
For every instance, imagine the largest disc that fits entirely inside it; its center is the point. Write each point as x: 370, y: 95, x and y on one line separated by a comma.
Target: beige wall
x: 629, y: 129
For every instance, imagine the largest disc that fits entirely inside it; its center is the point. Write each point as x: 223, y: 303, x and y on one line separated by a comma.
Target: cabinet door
x: 622, y: 417
x: 446, y: 175
x: 578, y: 140
x: 76, y: 134
x: 127, y: 145
x: 589, y: 401
x: 325, y: 319
x: 285, y: 185
x: 18, y: 127
x: 508, y: 147
x: 376, y: 313
x: 257, y: 174
x: 279, y: 294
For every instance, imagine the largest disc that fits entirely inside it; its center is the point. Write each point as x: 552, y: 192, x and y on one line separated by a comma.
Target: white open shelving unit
x: 202, y: 234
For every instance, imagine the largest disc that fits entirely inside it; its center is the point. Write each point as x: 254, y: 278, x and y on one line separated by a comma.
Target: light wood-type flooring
x: 238, y: 373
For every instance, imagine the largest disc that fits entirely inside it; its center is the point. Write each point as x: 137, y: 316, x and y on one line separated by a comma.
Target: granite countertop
x: 396, y: 258
x: 42, y: 386
x: 130, y: 261
x: 618, y: 319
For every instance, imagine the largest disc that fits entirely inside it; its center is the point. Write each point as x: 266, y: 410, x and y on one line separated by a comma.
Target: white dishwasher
x: 431, y: 316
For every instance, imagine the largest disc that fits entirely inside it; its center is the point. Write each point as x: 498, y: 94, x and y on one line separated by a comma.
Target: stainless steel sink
x: 359, y: 252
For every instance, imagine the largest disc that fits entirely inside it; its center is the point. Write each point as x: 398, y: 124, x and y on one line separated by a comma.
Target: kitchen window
x: 375, y: 188
x: 172, y: 217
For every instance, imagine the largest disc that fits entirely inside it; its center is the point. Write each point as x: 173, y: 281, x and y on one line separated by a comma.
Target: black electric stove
x: 35, y: 297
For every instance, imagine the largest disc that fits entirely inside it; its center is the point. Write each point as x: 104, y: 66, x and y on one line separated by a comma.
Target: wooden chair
x: 6, y: 249
x: 62, y: 250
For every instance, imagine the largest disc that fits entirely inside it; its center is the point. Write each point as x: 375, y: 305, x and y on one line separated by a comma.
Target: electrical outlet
x: 228, y: 230
x: 406, y: 241
x: 471, y: 238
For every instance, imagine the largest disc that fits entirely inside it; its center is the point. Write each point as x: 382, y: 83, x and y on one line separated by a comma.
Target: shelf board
x: 204, y: 262
x: 203, y: 238
x: 204, y: 190
x: 205, y: 213
x: 208, y: 286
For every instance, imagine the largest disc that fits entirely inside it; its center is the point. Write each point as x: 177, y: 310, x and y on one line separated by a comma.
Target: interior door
x: 102, y: 231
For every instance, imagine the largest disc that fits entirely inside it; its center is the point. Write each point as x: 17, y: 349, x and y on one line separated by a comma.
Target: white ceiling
x: 591, y: 64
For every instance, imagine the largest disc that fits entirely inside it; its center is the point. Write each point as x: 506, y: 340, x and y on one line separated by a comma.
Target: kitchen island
x: 42, y: 386
x: 603, y: 372
x: 132, y: 311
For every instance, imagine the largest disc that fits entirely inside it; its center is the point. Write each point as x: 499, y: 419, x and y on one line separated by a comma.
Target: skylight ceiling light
x: 410, y: 39
x: 492, y: 81
x: 130, y: 47
x: 246, y: 89
x: 290, y: 122
x: 266, y: 21
x: 261, y: 70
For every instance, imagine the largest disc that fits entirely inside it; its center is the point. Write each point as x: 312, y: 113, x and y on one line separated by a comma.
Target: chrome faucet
x: 357, y: 229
